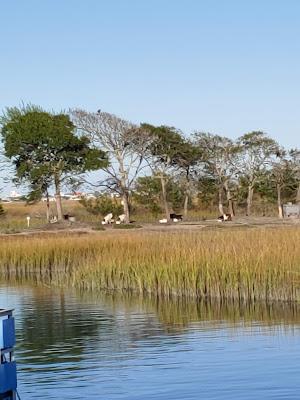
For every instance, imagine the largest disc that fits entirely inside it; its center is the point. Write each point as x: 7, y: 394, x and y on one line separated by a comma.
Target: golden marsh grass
x: 260, y: 264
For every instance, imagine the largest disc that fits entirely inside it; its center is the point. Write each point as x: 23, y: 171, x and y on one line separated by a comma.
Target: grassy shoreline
x: 262, y: 264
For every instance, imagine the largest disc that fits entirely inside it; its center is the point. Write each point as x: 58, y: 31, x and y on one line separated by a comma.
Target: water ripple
x: 82, y: 346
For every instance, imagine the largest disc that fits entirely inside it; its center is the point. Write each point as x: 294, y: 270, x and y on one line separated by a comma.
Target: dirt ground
x: 237, y: 223
x: 208, y: 225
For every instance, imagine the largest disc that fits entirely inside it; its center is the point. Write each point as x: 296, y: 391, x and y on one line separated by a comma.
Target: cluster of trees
x: 158, y: 167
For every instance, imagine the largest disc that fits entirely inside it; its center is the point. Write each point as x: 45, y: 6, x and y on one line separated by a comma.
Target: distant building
x: 51, y: 199
x: 14, y: 196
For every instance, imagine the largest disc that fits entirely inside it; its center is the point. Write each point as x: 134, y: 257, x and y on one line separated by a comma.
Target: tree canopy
x: 45, y: 149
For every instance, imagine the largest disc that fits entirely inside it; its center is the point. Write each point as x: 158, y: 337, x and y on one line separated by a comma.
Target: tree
x: 2, y: 211
x: 40, y: 182
x: 282, y: 174
x: 220, y: 162
x: 45, y: 150
x: 186, y: 161
x: 163, y: 154
x: 294, y: 155
x: 148, y: 193
x: 257, y: 150
x: 124, y: 145
x: 102, y: 205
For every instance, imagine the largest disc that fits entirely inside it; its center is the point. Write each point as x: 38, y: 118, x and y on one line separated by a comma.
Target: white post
x: 28, y: 221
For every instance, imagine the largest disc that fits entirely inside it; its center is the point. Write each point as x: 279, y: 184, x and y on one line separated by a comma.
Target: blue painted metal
x: 8, y: 333
x: 8, y: 374
x: 8, y: 370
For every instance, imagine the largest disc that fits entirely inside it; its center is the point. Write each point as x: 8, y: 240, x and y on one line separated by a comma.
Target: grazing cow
x: 121, y: 218
x: 108, y: 219
x: 225, y: 217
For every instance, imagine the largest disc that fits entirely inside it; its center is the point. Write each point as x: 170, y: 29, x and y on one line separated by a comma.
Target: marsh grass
x: 260, y: 264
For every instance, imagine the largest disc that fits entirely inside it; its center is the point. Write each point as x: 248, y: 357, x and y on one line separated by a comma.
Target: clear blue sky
x: 224, y: 66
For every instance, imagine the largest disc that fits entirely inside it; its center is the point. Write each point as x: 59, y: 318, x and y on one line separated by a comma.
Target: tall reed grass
x: 262, y: 264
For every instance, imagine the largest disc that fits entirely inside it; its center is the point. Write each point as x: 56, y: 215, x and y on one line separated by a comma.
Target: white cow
x: 163, y: 221
x: 122, y: 217
x: 108, y: 219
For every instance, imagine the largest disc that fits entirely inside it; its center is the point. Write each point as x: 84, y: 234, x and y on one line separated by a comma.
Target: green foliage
x: 165, y: 143
x: 44, y: 148
x: 148, y: 193
x: 127, y: 226
x: 219, y: 155
x: 175, y: 194
x: 98, y: 227
x: 257, y: 149
x: 207, y: 188
x: 2, y: 211
x: 102, y: 205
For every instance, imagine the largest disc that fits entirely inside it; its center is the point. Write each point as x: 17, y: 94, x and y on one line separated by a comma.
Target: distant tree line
x: 156, y: 167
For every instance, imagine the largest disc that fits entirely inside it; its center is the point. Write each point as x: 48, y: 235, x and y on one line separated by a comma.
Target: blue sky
x: 223, y: 66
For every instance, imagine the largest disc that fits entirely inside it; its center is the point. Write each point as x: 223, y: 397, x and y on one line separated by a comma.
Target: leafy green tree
x: 284, y: 177
x: 257, y: 152
x: 45, y: 150
x: 220, y: 156
x: 165, y: 146
x: 186, y: 162
x: 294, y: 155
x: 207, y: 187
x: 102, y: 205
x: 149, y: 194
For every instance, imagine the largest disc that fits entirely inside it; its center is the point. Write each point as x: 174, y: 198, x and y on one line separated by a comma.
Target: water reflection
x: 181, y: 313
x: 80, y: 345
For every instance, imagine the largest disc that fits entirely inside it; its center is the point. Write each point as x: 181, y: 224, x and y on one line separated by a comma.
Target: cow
x: 108, y: 219
x: 176, y: 217
x: 225, y: 217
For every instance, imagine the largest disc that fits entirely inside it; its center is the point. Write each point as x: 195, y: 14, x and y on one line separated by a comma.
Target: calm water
x: 74, y: 346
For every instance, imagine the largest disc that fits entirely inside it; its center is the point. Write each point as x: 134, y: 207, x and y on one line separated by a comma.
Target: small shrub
x: 102, y: 205
x: 98, y: 227
x: 2, y: 211
x: 10, y: 231
x: 127, y: 226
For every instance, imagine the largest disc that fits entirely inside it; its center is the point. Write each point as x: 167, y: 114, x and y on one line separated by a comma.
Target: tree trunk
x: 58, y: 198
x: 164, y: 197
x: 249, y: 200
x: 229, y: 199
x: 221, y: 209
x: 280, y: 213
x: 187, y: 192
x: 298, y: 194
x: 126, y: 208
x: 48, y: 208
x: 124, y: 188
x: 185, y: 204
